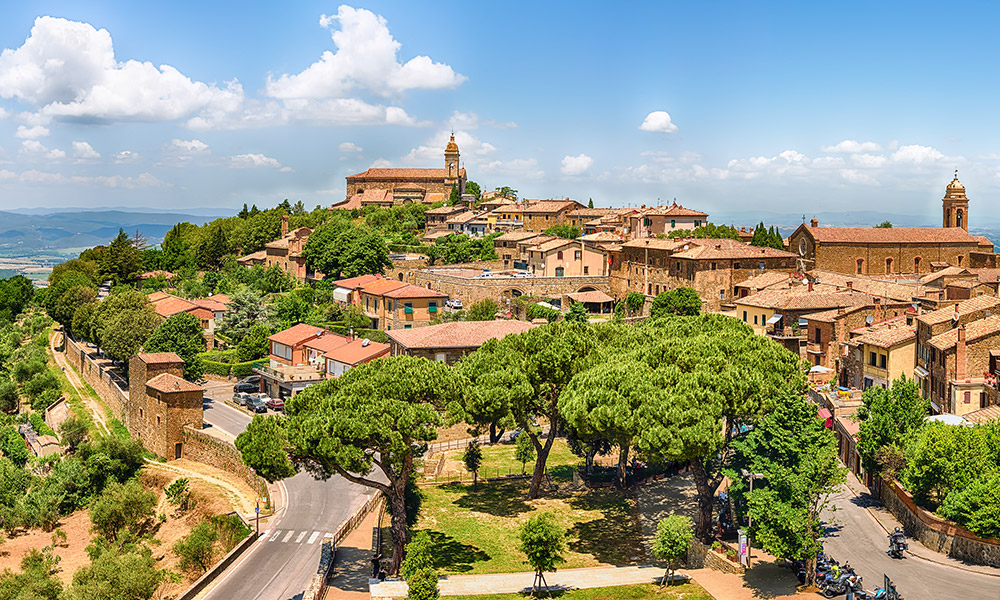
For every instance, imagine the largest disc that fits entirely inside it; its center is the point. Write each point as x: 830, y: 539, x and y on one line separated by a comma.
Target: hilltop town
x: 426, y: 337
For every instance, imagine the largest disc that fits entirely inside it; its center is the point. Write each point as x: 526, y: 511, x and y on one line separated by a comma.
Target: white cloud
x: 31, y: 133
x: 68, y: 69
x: 187, y: 146
x: 251, y: 161
x: 852, y: 147
x: 855, y: 176
x: 868, y: 161
x: 111, y: 181
x: 381, y: 163
x: 3, y: 114
x: 432, y: 152
x: 916, y: 154
x: 524, y: 168
x: 575, y: 165
x: 84, y: 151
x: 126, y: 156
x: 658, y: 121
x: 366, y: 58
x: 38, y: 149
x: 460, y: 120
x: 349, y: 147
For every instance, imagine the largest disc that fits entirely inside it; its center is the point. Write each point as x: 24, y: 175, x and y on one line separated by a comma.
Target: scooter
x: 832, y: 587
x: 879, y: 593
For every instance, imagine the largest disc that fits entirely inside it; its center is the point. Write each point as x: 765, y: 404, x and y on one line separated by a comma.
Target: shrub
x: 197, y: 549
x: 120, y: 507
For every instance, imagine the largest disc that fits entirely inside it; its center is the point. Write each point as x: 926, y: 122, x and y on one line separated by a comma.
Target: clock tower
x: 955, y: 205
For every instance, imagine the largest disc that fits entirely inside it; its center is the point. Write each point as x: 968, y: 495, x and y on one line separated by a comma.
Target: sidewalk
x: 763, y: 580
x: 888, y: 522
x: 351, y: 565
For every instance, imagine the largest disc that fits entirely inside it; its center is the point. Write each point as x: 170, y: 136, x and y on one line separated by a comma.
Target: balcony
x: 291, y: 373
x: 815, y: 348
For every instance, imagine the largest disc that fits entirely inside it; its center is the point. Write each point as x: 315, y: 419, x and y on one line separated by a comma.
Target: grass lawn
x: 475, y: 529
x: 498, y: 460
x: 646, y: 591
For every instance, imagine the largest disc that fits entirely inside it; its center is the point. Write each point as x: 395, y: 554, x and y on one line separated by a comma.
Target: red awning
x: 824, y: 413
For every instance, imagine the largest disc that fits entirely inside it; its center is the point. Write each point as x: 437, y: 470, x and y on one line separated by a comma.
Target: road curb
x: 919, y: 556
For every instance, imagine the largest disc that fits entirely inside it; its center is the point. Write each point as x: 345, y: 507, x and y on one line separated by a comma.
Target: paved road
x: 855, y: 536
x: 281, y: 564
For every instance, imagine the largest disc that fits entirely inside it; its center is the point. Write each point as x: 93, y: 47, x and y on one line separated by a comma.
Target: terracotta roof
x: 159, y: 295
x: 594, y: 296
x: 549, y: 206
x: 297, y: 334
x: 891, y: 235
x: 457, y: 334
x: 211, y: 304
x: 983, y: 415
x: 168, y: 382
x: 352, y: 203
x: 172, y: 305
x: 391, y: 174
x: 965, y: 307
x: 433, y: 197
x: 326, y: 342
x: 548, y: 245
x: 962, y: 283
x: 988, y: 275
x: 877, y: 287
x: 886, y: 334
x: 674, y: 210
x: 784, y: 299
x: 157, y: 273
x: 538, y: 239
x: 356, y: 282
x: 600, y: 236
x: 282, y: 242
x: 656, y: 243
x: 973, y: 331
x: 356, y: 352
x: 516, y: 236
x: 260, y: 255
x: 160, y: 358
x: 768, y: 279
x: 413, y: 291
x: 947, y: 272
x: 706, y: 249
x: 591, y: 212
x: 983, y: 240
x: 381, y: 285
x: 445, y: 210
x: 462, y: 217
x: 221, y: 299
x: 849, y: 425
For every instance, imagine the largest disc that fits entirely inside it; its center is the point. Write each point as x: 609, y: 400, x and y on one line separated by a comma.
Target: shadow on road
x: 353, y: 568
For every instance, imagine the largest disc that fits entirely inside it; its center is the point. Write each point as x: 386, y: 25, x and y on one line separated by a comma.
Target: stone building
x: 162, y: 403
x: 661, y: 220
x: 931, y: 372
x: 828, y: 332
x: 409, y: 185
x: 541, y: 214
x: 286, y: 252
x: 713, y: 267
x: 561, y: 257
x: 896, y: 250
x: 962, y: 366
x: 450, y: 342
x: 879, y: 353
x: 437, y: 218
x: 508, y: 249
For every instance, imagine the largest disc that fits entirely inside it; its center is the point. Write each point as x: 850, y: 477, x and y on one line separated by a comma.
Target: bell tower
x: 955, y: 205
x: 451, y: 165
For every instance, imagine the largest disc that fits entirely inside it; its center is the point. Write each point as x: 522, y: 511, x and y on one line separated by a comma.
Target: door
x: 177, y: 450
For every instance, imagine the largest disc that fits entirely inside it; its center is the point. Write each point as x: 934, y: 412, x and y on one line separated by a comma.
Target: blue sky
x: 785, y: 107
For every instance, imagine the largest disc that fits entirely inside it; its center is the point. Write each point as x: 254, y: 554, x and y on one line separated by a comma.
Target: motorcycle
x: 831, y: 587
x: 879, y: 593
x: 896, y: 546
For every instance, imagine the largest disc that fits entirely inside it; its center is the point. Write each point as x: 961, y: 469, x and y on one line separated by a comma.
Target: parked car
x: 248, y: 388
x: 455, y: 303
x: 253, y: 379
x: 257, y: 405
x: 242, y: 398
x: 274, y: 403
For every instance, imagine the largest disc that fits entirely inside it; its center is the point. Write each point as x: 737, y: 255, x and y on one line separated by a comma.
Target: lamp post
x: 256, y: 510
x: 751, y: 477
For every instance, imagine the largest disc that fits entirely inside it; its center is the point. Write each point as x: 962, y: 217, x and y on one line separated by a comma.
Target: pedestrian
x: 376, y: 561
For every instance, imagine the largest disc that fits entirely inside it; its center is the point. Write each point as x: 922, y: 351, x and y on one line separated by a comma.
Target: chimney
x: 718, y: 246
x: 850, y: 286
x: 284, y: 225
x: 960, y: 355
x: 814, y: 223
x: 841, y: 310
x: 810, y: 285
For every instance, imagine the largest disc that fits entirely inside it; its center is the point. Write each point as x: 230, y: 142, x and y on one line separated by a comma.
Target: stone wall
x: 201, y: 447
x: 473, y: 290
x: 701, y: 556
x: 96, y: 372
x: 936, y: 533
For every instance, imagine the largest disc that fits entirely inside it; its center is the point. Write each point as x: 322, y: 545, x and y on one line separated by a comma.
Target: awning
x: 774, y: 319
x: 824, y: 413
x: 820, y: 369
x: 341, y: 294
x: 920, y: 372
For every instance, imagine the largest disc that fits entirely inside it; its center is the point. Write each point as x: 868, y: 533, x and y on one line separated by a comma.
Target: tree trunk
x: 495, y: 433
x: 811, y: 569
x: 706, y: 498
x: 543, y: 455
x: 590, y: 462
x: 622, y: 464
x: 398, y: 527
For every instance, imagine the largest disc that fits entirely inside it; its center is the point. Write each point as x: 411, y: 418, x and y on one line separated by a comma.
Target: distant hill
x: 24, y: 233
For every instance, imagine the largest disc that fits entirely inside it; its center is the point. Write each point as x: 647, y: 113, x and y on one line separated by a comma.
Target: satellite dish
x: 869, y: 320
x: 365, y: 342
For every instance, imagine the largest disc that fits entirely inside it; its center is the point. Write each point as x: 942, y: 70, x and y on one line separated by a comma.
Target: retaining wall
x: 701, y: 556
x: 936, y: 533
x: 201, y: 447
x: 192, y: 592
x: 96, y: 372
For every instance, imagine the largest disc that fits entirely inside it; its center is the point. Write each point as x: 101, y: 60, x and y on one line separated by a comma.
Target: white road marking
x: 301, y: 535
x: 276, y: 535
x: 288, y: 537
x: 313, y: 537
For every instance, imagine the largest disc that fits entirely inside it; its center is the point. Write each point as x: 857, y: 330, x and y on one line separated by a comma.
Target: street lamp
x: 751, y: 477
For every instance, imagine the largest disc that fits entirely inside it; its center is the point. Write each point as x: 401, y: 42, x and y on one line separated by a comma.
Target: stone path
x: 351, y: 565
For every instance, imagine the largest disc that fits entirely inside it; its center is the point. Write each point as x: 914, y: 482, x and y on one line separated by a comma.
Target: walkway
x: 351, y: 565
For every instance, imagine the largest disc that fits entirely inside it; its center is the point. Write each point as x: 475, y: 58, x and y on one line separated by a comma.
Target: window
x: 968, y: 395
x: 432, y: 306
x: 722, y: 295
x: 736, y: 266
x: 958, y: 222
x: 408, y: 308
x: 960, y: 260
x: 140, y: 413
x: 577, y: 254
x: 697, y: 223
x: 760, y: 265
x: 158, y: 416
x: 376, y: 304
x: 388, y: 305
x: 860, y: 266
x: 407, y: 326
x: 744, y: 316
x: 586, y: 270
x: 560, y: 271
x: 673, y: 223
x: 439, y: 357
x: 546, y: 217
x: 818, y: 337
x: 657, y: 289
x: 646, y: 222
x: 713, y: 266
x: 871, y: 359
x: 881, y: 361
x: 916, y: 264
x: 888, y: 266
x: 649, y: 289
x: 755, y: 319
x: 559, y: 255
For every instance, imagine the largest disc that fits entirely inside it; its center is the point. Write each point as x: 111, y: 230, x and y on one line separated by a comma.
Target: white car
x: 455, y: 303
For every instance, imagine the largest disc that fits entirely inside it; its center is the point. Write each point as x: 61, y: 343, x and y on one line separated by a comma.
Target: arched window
x: 960, y: 257
x: 916, y: 264
x: 958, y: 217
x: 559, y: 255
x: 888, y: 266
x: 861, y: 266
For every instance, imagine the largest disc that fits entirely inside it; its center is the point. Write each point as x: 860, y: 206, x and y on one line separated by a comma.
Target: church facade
x: 390, y: 187
x: 895, y: 250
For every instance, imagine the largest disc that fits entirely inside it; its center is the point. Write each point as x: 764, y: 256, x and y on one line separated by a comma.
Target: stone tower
x: 451, y: 165
x: 955, y: 205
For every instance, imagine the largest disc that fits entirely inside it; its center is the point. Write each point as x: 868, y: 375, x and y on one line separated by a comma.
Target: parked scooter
x: 833, y: 585
x: 824, y: 564
x: 886, y: 592
x: 897, y: 543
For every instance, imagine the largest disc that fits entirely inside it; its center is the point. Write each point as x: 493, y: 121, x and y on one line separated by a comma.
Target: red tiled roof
x: 965, y: 307
x: 706, y: 249
x: 391, y: 174
x: 221, y: 299
x: 516, y: 236
x: 352, y: 203
x: 549, y: 206
x: 327, y: 342
x: 445, y: 210
x: 357, y: 352
x: 297, y: 334
x: 892, y: 235
x: 974, y: 330
x: 413, y: 291
x: 160, y: 358
x: 785, y: 299
x: 210, y: 304
x: 594, y: 296
x: 849, y: 425
x: 464, y: 217
x: 380, y: 286
x: 674, y: 210
x: 656, y: 243
x: 168, y: 382
x: 157, y: 273
x: 886, y: 334
x: 260, y: 255
x: 353, y: 283
x: 983, y: 415
x: 172, y: 305
x: 552, y: 245
x: 457, y: 334
x: 157, y: 296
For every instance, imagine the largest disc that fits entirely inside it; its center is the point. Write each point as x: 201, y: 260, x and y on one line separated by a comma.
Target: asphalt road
x: 856, y: 537
x: 281, y: 563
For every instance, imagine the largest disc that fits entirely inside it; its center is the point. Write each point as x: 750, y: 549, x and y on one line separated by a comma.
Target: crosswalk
x: 286, y: 536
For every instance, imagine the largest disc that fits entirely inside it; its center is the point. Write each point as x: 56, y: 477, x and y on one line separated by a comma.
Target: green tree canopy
x: 889, y: 417
x: 264, y: 446
x: 123, y: 323
x: 673, y: 539
x: 484, y: 310
x: 121, y: 261
x: 541, y: 541
x: 247, y: 308
x: 564, y: 230
x: 884, y: 225
x: 682, y: 301
x: 117, y: 573
x: 181, y: 333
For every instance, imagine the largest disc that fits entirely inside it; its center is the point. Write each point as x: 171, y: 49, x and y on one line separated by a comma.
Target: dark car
x: 252, y: 379
x: 256, y: 405
x: 247, y: 388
